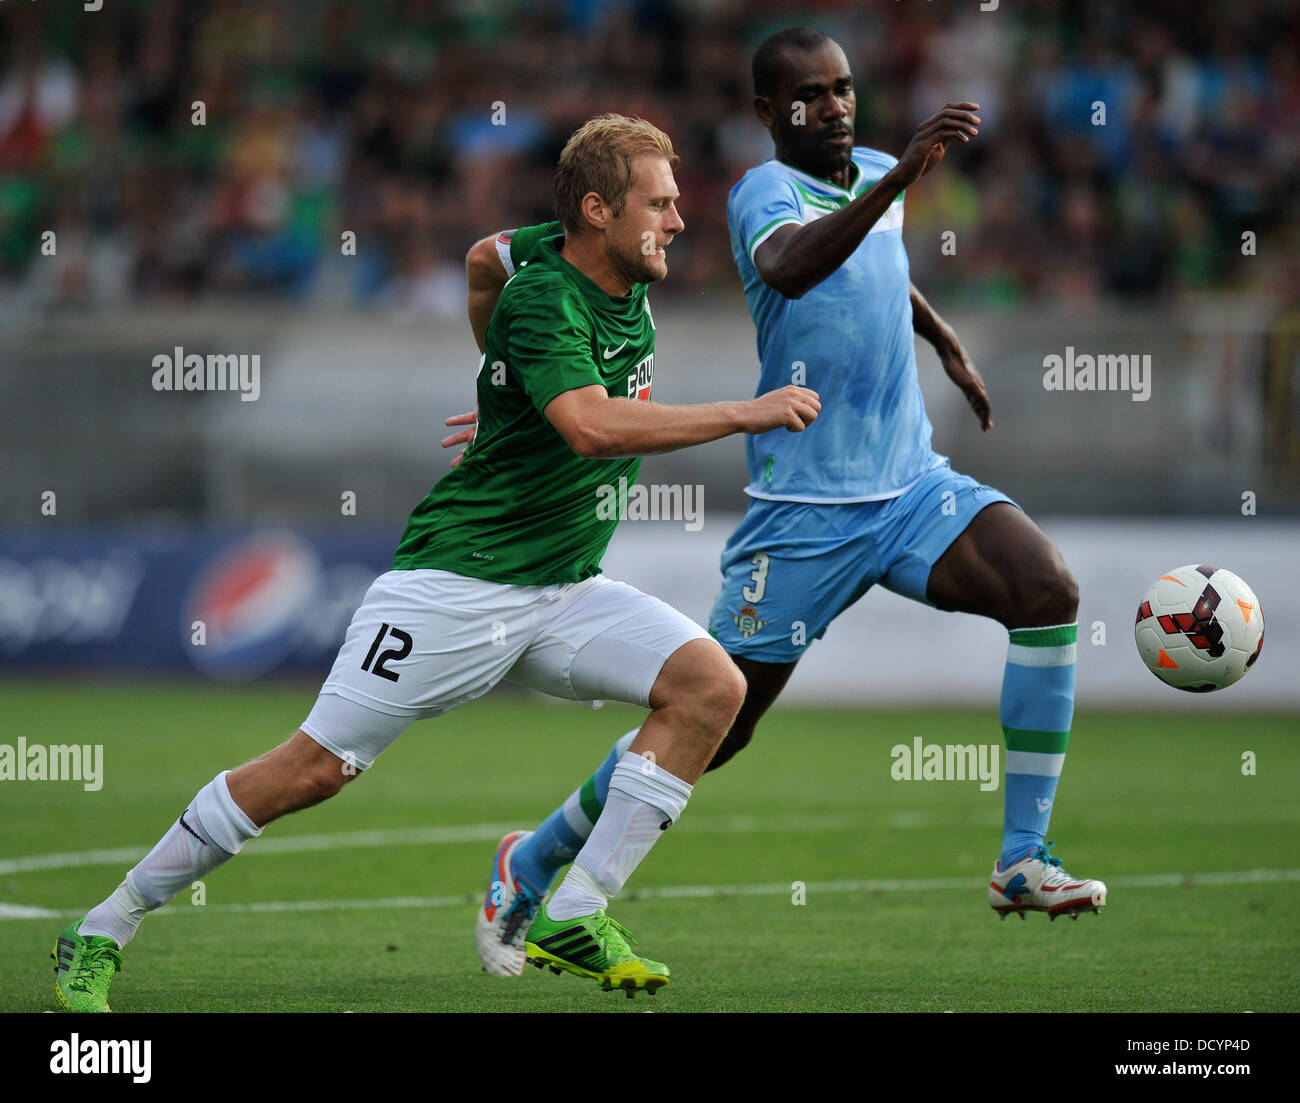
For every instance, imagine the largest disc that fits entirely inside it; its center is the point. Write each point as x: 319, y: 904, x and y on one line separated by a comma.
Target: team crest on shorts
x: 747, y: 621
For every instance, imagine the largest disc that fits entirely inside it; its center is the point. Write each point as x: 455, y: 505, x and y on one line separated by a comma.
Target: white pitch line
x: 677, y: 892
x: 422, y: 836
x: 901, y: 818
x: 24, y: 911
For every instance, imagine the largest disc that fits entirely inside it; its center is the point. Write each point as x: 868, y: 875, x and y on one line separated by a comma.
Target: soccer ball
x: 1199, y: 628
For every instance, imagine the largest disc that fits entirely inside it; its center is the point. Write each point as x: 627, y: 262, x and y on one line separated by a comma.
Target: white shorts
x: 425, y: 642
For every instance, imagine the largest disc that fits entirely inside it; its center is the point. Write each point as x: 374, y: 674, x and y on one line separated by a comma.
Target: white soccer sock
x: 644, y: 800
x: 118, y: 917
x: 211, y: 831
x: 575, y: 815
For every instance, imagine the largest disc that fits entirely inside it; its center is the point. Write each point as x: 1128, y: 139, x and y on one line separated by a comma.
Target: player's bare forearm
x: 598, y: 426
x: 796, y: 259
x: 954, y: 359
x: 485, y: 276
x: 628, y: 427
x: 928, y: 325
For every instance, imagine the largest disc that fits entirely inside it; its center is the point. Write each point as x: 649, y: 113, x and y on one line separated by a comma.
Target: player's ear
x: 594, y: 210
x: 765, y: 110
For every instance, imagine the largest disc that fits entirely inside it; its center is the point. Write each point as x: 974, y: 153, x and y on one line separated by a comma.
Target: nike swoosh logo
x: 191, y: 830
x: 614, y: 352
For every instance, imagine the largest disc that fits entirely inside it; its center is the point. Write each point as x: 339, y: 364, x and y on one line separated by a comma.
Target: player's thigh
x: 924, y: 533
x: 1004, y: 566
x: 607, y: 641
x: 420, y: 644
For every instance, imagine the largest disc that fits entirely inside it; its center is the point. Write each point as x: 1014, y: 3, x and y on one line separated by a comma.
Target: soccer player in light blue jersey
x: 861, y: 498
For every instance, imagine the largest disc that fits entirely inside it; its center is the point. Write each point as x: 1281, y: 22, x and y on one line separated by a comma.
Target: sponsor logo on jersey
x: 638, y: 382
x: 747, y: 622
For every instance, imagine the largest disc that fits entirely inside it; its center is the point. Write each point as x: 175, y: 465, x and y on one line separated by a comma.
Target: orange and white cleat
x: 505, y: 915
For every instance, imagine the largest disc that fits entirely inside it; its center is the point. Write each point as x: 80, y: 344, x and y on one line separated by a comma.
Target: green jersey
x: 522, y: 507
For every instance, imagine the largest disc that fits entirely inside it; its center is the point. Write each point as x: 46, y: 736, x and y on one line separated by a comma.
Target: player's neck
x: 840, y: 178
x: 587, y: 255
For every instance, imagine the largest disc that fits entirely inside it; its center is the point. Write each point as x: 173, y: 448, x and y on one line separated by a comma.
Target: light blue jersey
x: 852, y: 333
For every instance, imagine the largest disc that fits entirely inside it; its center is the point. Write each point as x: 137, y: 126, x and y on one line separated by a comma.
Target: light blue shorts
x: 791, y: 568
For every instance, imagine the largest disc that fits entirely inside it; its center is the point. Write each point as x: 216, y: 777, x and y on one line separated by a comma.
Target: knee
x: 1050, y: 595
x: 725, y: 691
x: 322, y: 776
x: 710, y: 685
x: 322, y: 782
x: 295, y: 775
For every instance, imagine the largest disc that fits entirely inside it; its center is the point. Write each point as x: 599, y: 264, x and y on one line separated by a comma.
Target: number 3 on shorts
x: 394, y: 653
x: 755, y: 593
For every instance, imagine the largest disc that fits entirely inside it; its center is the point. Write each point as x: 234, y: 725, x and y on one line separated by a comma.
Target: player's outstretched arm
x: 926, y: 323
x: 796, y: 259
x: 597, y: 426
x: 485, y: 276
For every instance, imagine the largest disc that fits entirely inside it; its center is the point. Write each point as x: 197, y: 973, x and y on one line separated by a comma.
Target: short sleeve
x: 503, y: 251
x: 516, y: 247
x: 549, y: 349
x: 760, y: 204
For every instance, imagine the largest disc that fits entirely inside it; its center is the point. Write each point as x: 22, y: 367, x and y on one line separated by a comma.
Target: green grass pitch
x: 1143, y: 797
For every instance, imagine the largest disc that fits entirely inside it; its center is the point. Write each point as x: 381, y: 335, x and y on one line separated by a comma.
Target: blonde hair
x: 599, y: 157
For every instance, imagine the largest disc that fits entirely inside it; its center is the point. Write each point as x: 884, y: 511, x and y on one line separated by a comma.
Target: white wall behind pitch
x: 887, y: 649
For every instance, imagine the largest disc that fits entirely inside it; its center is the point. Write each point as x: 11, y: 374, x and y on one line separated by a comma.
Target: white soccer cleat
x: 505, y: 915
x: 1037, y: 883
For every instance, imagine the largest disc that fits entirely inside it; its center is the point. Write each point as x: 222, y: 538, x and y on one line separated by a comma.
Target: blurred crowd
x: 420, y: 127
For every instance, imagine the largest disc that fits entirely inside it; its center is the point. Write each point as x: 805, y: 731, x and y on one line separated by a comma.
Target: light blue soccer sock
x: 562, y: 834
x: 1037, y: 707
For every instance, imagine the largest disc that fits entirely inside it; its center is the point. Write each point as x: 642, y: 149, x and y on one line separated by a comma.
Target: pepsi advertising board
x: 232, y: 606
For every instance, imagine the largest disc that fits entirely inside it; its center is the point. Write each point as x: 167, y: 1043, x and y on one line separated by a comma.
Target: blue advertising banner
x: 231, y: 605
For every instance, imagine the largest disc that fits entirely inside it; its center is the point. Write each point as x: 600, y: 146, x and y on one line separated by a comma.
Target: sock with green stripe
x: 563, y: 833
x: 1037, y: 707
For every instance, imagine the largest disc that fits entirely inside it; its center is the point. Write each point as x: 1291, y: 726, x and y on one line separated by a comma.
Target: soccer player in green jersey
x: 498, y: 577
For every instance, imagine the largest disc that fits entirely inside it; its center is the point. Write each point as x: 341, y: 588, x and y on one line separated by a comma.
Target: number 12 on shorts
x: 396, y: 654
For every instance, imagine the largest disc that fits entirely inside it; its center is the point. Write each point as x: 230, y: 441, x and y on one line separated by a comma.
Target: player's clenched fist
x: 793, y: 408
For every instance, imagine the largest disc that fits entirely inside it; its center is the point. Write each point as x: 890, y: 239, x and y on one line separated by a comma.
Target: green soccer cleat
x: 593, y: 946
x: 83, y: 968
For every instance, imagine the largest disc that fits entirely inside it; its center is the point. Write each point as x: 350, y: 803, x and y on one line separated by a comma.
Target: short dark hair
x: 767, y: 58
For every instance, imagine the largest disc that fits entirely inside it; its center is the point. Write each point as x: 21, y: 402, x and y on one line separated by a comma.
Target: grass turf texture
x: 811, y: 801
